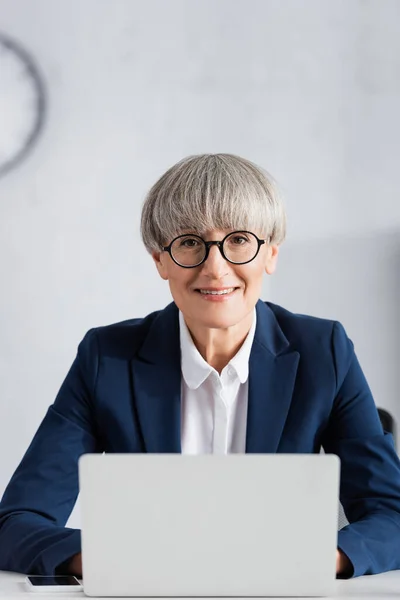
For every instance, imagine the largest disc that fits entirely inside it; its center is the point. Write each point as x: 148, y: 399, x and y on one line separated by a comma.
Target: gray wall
x: 354, y: 279
x: 309, y: 89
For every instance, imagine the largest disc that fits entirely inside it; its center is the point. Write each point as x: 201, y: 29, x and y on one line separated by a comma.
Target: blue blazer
x: 122, y: 394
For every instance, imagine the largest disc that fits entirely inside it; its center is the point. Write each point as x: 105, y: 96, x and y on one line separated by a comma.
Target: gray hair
x: 212, y: 191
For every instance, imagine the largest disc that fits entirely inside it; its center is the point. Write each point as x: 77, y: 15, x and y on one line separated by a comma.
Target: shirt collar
x: 195, y: 369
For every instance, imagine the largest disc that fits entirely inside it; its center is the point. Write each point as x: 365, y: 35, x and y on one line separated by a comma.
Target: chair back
x: 388, y: 423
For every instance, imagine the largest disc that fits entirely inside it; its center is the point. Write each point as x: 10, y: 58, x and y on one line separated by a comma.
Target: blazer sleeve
x: 43, y: 490
x: 370, y: 468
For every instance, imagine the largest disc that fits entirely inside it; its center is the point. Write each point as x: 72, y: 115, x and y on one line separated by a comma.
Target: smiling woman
x: 201, y: 223
x: 217, y: 371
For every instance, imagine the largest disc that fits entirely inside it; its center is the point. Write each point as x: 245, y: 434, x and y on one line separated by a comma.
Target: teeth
x: 215, y: 293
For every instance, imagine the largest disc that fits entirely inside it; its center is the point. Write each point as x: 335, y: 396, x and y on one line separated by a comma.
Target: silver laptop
x: 209, y: 525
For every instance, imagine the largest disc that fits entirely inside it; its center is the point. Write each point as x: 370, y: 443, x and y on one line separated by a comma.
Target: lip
x: 214, y: 297
x: 216, y: 289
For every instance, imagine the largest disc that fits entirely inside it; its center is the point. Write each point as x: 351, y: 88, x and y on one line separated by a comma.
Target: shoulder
x: 299, y: 324
x: 120, y: 339
x: 315, y: 337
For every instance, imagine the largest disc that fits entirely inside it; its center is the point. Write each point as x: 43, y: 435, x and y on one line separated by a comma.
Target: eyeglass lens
x: 238, y: 247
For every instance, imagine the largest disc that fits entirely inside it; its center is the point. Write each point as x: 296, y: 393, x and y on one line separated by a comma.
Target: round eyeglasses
x: 189, y: 250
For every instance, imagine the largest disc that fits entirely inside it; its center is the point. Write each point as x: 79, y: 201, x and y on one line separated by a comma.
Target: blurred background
x: 308, y: 89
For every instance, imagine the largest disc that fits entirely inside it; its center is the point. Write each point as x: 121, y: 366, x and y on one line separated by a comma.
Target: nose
x: 215, y: 267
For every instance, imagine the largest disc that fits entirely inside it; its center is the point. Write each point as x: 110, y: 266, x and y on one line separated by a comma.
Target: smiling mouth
x: 222, y: 292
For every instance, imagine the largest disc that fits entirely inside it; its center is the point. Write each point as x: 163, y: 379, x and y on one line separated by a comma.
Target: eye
x: 189, y: 243
x: 239, y: 240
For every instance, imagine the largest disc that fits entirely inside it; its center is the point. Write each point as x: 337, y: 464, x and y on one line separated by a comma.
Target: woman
x: 216, y: 371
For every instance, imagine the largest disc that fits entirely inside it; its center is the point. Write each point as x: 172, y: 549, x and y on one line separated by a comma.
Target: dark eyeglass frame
x: 217, y: 243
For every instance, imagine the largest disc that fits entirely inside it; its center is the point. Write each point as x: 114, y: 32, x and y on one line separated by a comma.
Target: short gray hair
x: 212, y: 191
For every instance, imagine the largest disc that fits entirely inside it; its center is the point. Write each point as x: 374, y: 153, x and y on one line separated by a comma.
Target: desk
x: 375, y: 587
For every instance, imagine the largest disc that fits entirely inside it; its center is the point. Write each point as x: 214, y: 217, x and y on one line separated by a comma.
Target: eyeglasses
x: 238, y: 248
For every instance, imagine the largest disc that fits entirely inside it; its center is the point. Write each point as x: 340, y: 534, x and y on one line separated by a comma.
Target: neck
x: 219, y: 346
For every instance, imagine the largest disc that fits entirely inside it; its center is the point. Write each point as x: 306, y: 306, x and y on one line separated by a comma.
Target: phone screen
x: 43, y: 580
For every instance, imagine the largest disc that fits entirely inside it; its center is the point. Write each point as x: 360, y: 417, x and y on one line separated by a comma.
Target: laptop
x: 209, y: 525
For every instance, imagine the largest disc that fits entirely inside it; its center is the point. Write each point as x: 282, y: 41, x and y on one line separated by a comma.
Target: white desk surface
x: 372, y: 587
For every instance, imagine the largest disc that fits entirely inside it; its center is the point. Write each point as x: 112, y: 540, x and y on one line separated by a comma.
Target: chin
x: 217, y: 322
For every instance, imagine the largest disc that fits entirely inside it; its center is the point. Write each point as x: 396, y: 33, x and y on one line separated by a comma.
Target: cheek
x: 180, y: 280
x: 252, y: 276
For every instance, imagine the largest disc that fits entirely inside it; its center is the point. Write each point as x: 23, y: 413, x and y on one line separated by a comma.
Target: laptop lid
x: 209, y: 525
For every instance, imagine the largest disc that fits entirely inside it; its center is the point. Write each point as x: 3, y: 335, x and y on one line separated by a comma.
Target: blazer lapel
x: 272, y: 374
x: 156, y: 375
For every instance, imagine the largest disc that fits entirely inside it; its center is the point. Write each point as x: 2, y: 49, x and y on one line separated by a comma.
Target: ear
x: 271, y: 259
x: 160, y: 262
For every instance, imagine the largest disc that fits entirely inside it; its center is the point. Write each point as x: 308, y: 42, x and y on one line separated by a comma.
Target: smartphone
x: 56, y: 583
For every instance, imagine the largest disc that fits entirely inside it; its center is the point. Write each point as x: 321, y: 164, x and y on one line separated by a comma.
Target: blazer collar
x: 273, y: 368
x: 156, y: 374
x: 161, y: 345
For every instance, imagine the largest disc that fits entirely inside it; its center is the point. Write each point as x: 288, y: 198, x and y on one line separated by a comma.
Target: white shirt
x: 214, y: 407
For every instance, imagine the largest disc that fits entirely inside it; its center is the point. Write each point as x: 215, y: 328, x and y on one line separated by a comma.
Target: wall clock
x: 22, y: 103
